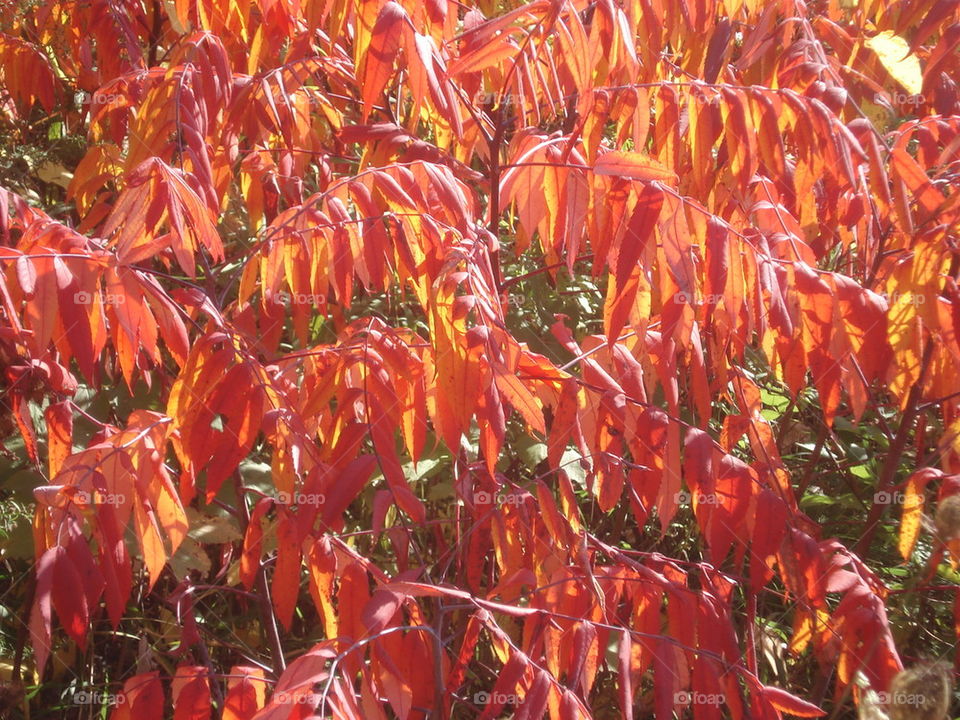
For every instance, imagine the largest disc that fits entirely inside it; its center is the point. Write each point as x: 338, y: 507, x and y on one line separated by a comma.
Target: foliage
x: 433, y: 359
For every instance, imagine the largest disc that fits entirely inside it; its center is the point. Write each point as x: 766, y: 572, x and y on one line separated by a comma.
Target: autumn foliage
x: 407, y: 359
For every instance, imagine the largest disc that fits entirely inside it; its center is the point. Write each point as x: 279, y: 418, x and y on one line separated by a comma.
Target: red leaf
x: 771, y: 525
x: 296, y: 686
x: 40, y: 615
x: 74, y: 304
x: 510, y: 676
x: 191, y: 693
x: 252, y: 544
x: 381, y: 53
x: 21, y: 416
x: 535, y: 701
x: 625, y: 254
x: 350, y: 482
x: 69, y: 600
x: 469, y: 643
x: 380, y: 610
x: 666, y: 679
x: 142, y: 698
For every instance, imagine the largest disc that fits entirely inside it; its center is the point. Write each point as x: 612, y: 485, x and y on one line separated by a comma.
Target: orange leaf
x: 286, y: 576
x: 489, y: 54
x: 322, y: 563
x: 928, y: 197
x: 151, y: 544
x: 246, y: 693
x: 142, y: 698
x: 520, y: 397
x: 790, y: 704
x: 636, y: 166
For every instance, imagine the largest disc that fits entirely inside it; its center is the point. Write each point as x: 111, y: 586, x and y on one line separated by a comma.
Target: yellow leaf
x: 912, y: 515
x: 802, y: 632
x: 894, y: 54
x: 804, y: 629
